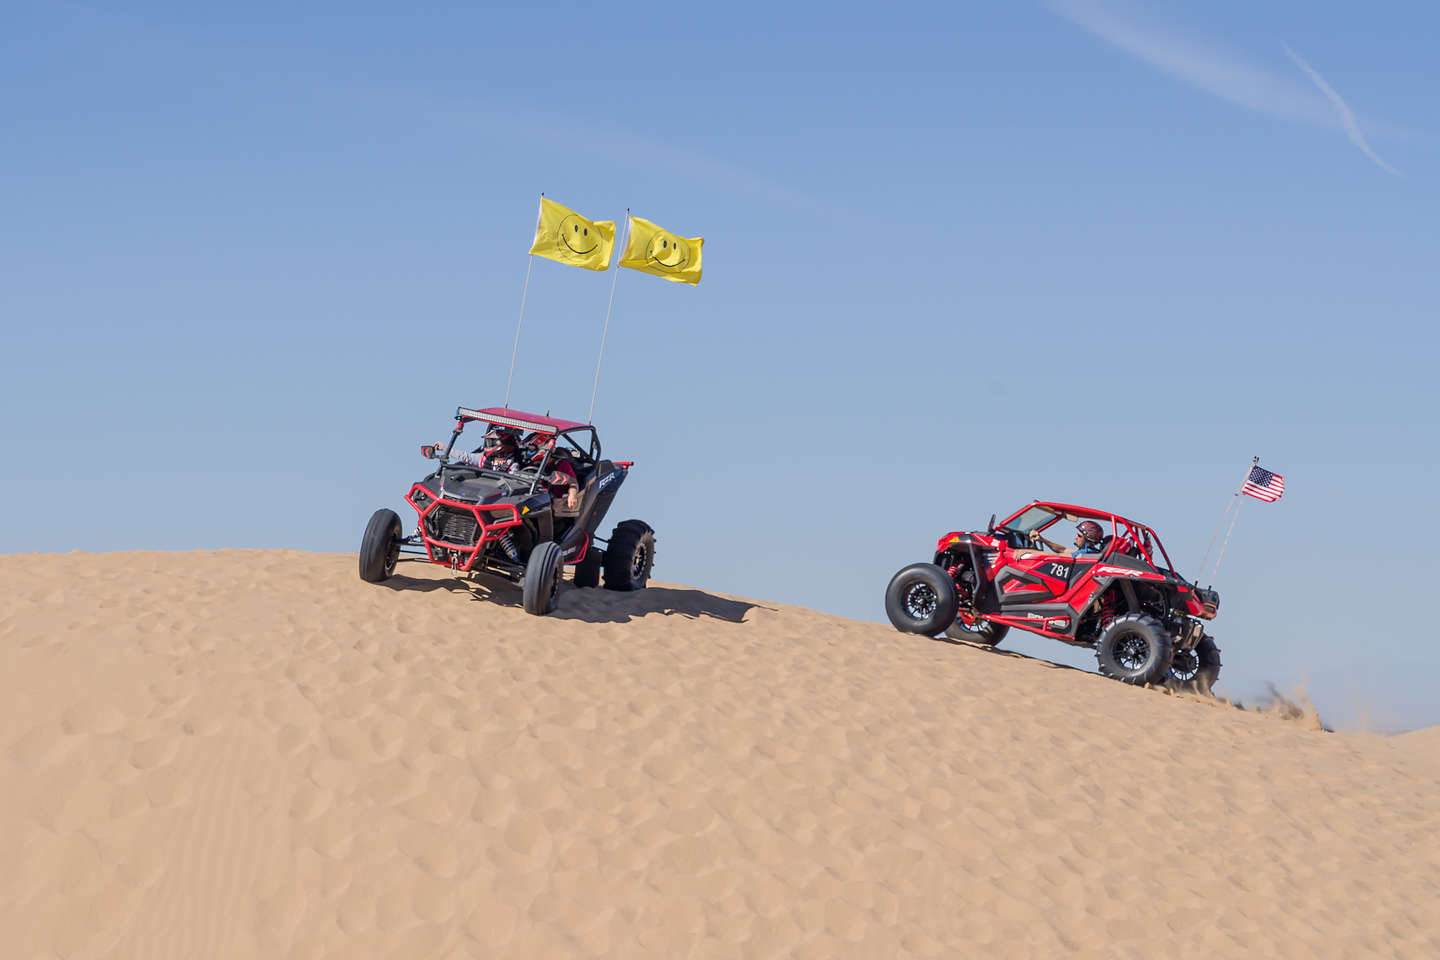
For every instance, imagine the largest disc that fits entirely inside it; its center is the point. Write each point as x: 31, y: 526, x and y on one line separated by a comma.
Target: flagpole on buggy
x: 1233, y: 503
x: 1233, y: 517
x: 590, y: 417
x: 525, y: 291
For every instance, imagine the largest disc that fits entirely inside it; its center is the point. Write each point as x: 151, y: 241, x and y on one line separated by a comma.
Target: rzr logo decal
x: 1126, y: 572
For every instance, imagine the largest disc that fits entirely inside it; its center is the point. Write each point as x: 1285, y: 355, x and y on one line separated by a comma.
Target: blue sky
x: 957, y: 257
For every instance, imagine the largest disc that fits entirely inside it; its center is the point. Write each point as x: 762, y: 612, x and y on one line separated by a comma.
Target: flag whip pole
x: 590, y: 418
x: 530, y: 265
x: 1233, y: 518
x: 1234, y: 502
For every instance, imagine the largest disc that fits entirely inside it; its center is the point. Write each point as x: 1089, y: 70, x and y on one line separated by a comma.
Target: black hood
x: 477, y: 489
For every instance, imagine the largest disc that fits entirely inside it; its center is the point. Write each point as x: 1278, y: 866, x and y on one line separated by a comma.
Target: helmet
x: 536, y: 445
x: 497, y: 438
x: 1091, y: 531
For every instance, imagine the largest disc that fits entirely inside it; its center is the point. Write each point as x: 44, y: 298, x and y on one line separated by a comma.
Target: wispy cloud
x: 1347, y: 118
x: 1221, y: 75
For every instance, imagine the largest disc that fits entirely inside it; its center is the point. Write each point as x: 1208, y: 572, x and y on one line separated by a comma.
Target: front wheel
x: 1195, y: 671
x: 380, y: 547
x: 542, y: 578
x: 1135, y: 649
x: 921, y: 599
x: 629, y: 556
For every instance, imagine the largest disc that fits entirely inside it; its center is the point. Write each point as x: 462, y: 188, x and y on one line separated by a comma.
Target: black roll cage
x: 590, y: 450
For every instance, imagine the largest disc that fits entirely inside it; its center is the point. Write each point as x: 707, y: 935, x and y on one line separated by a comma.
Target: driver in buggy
x: 1088, y: 536
x: 500, y: 451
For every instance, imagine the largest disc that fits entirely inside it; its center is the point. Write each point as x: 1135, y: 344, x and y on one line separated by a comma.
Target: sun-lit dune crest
x: 255, y: 754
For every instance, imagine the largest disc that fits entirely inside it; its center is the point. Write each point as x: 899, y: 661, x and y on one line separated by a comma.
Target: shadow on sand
x: 589, y: 605
x: 1011, y: 654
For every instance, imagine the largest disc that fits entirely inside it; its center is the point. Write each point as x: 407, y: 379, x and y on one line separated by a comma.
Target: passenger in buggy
x: 562, y: 480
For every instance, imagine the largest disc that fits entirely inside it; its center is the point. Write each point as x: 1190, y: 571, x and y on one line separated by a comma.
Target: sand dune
x: 254, y: 754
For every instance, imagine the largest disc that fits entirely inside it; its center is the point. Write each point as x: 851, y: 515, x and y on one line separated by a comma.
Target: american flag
x: 1263, y: 485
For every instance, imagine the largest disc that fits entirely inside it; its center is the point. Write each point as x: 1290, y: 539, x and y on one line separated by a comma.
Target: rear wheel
x: 921, y: 599
x: 380, y: 547
x: 1135, y: 649
x: 1195, y: 671
x: 542, y: 579
x: 630, y: 556
x: 982, y: 631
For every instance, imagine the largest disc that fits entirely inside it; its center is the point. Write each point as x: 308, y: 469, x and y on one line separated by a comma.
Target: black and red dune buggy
x: 476, y: 519
x: 1145, y: 621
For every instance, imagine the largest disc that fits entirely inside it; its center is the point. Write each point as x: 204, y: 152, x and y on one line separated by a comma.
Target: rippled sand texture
x: 254, y: 754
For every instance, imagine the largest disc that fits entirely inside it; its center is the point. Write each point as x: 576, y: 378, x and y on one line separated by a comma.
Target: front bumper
x: 492, y: 520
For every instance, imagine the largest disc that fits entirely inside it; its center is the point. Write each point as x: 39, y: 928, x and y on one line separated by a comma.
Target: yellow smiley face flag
x: 563, y: 235
x: 651, y: 249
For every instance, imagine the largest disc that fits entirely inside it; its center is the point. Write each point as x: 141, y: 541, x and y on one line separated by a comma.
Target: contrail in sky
x: 1221, y: 75
x: 1347, y: 119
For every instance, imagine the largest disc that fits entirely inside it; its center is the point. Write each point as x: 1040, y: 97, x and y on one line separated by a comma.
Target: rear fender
x: 595, y: 502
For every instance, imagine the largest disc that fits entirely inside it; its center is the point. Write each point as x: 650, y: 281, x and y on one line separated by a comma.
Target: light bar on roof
x: 504, y: 421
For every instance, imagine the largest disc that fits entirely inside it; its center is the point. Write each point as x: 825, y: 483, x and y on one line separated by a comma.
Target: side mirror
x: 992, y: 525
x: 427, y: 450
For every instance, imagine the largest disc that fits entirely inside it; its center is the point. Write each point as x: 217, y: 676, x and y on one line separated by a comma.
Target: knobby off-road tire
x: 630, y: 556
x: 542, y: 578
x: 1195, y: 671
x: 380, y: 547
x: 921, y: 599
x: 587, y: 571
x: 1135, y: 649
x: 986, y: 632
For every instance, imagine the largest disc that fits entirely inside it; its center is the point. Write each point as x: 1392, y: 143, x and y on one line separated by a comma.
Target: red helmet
x: 499, y: 438
x: 536, y: 445
x: 1091, y: 531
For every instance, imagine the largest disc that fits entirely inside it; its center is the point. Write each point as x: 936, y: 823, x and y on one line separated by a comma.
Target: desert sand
x: 254, y: 754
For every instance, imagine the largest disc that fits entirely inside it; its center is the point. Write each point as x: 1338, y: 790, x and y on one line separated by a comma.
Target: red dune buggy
x: 1145, y: 621
x: 513, y: 522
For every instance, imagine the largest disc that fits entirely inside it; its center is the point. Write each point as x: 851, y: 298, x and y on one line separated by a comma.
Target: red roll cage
x: 1144, y: 539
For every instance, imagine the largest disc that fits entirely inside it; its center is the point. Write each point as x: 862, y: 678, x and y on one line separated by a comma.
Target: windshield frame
x: 536, y: 473
x: 1044, y: 524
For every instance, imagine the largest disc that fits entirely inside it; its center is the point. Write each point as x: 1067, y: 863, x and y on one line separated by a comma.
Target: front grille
x: 454, y: 526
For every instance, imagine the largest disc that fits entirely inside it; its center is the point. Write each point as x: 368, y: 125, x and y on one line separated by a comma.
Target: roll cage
x: 546, y: 432
x: 1124, y: 535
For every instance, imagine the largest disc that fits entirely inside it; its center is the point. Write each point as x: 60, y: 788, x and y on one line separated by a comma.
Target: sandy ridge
x: 254, y: 754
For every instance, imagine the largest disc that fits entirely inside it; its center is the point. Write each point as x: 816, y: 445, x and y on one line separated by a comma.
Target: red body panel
x: 1064, y: 587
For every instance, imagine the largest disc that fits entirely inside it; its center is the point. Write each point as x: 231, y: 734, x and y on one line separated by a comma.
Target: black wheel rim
x: 554, y: 586
x: 1132, y: 651
x: 920, y: 601
x: 1186, y: 666
x: 638, y: 561
x: 392, y: 555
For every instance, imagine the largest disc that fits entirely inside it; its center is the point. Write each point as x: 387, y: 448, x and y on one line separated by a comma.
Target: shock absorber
x: 1107, y: 610
x: 507, y: 547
